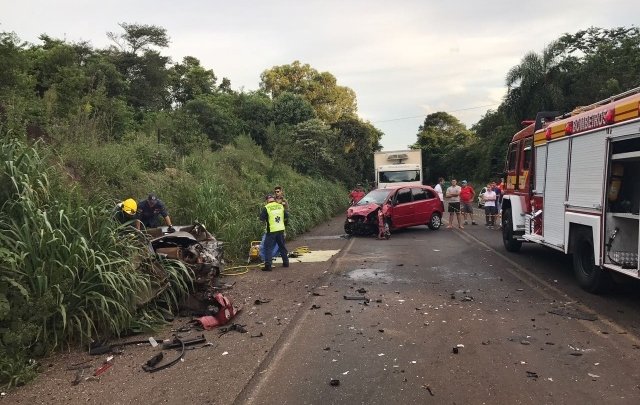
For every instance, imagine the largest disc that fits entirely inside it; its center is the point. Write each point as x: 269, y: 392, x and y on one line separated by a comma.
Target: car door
x: 402, y: 208
x: 422, y: 206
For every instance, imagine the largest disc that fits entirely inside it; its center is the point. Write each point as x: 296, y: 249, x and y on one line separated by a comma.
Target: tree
x: 139, y: 37
x: 599, y: 63
x: 314, y: 142
x: 291, y: 109
x: 14, y: 65
x: 357, y: 141
x: 144, y: 68
x: 443, y: 140
x: 533, y: 85
x: 216, y: 116
x: 329, y: 100
x: 255, y: 110
x: 189, y: 80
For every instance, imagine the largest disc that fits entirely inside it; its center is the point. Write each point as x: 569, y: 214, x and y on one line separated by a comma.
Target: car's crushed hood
x: 363, y: 210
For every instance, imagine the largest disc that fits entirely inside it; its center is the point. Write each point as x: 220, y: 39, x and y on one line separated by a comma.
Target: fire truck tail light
x: 547, y: 134
x: 568, y: 128
x: 610, y: 116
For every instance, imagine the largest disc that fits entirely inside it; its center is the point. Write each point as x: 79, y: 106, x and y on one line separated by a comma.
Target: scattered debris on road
x: 428, y: 388
x: 356, y: 298
x: 573, y: 313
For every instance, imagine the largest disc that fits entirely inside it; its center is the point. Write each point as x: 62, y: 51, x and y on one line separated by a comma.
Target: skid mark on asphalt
x: 551, y: 292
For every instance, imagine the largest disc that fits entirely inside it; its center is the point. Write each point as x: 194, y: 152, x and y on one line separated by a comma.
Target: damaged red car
x: 403, y: 206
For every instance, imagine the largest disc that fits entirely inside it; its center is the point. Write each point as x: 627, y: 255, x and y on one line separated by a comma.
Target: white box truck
x: 398, y: 168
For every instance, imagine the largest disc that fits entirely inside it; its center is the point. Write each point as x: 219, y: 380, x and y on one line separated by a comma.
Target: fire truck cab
x: 573, y: 184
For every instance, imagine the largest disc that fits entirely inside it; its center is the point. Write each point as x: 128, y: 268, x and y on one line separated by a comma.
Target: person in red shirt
x: 467, y: 193
x: 356, y: 194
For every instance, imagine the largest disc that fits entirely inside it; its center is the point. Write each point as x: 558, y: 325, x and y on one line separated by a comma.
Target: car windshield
x: 399, y: 176
x: 375, y: 196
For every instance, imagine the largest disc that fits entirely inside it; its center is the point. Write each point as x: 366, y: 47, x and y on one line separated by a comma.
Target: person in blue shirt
x: 149, y: 211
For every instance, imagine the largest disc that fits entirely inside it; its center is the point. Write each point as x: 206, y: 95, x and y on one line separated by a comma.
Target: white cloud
x: 403, y: 59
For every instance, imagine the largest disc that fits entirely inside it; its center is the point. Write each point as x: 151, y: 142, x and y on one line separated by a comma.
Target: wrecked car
x: 403, y: 206
x: 195, y: 247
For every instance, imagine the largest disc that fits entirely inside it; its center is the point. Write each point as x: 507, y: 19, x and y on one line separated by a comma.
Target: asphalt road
x: 524, y: 333
x: 514, y: 320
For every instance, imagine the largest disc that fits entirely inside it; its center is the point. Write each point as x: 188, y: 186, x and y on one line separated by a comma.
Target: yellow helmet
x: 129, y: 206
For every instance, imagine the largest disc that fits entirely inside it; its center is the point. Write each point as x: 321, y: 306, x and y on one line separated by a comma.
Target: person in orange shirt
x: 356, y: 194
x: 467, y: 193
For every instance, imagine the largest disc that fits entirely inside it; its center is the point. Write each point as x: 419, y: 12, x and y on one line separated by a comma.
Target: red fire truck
x: 573, y: 184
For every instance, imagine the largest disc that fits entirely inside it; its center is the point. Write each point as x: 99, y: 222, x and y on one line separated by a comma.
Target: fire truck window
x: 403, y: 196
x: 419, y: 194
x: 527, y: 156
x: 513, y: 153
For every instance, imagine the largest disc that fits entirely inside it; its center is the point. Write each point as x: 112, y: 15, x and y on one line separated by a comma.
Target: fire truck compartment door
x: 541, y: 168
x: 587, y: 170
x: 555, y: 192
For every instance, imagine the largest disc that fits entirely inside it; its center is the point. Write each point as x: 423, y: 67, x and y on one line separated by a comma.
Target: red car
x: 404, y: 206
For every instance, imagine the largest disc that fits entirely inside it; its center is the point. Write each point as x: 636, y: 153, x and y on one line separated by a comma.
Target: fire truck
x: 573, y: 184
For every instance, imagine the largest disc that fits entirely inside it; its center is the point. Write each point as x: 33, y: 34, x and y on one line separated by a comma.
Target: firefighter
x: 274, y: 216
x: 148, y: 211
x: 125, y: 212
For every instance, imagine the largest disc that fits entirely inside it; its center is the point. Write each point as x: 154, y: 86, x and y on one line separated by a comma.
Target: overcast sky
x: 404, y: 59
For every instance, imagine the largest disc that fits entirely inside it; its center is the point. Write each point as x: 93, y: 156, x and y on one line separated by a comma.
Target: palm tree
x: 533, y: 85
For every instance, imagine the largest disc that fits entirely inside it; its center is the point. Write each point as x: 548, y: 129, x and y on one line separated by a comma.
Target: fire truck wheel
x: 590, y: 277
x: 435, y: 222
x: 511, y: 244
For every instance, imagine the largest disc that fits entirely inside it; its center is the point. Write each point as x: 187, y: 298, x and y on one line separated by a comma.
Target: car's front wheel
x: 348, y: 227
x: 435, y: 222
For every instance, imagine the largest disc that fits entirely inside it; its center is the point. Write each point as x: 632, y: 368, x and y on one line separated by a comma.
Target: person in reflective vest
x: 274, y: 215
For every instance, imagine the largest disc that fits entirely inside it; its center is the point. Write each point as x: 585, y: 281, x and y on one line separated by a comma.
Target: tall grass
x: 67, y: 273
x: 224, y: 189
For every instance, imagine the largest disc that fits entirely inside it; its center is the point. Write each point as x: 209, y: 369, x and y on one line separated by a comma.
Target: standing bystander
x: 489, y: 198
x: 453, y: 198
x: 356, y: 194
x: 438, y: 188
x: 279, y: 196
x: 467, y: 194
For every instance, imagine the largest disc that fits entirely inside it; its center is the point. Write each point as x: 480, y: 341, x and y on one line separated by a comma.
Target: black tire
x: 348, y: 227
x: 435, y: 222
x: 510, y: 243
x: 591, y: 277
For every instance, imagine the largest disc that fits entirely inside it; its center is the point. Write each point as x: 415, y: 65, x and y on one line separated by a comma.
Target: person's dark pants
x: 490, y: 215
x: 270, y: 240
x: 150, y: 222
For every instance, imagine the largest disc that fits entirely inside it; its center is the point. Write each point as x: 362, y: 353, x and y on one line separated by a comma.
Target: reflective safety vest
x: 275, y: 217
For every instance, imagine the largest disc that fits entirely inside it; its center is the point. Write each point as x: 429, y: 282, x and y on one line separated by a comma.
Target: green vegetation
x: 83, y: 128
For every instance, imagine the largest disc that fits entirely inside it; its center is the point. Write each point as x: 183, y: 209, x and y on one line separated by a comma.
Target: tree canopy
x: 320, y: 89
